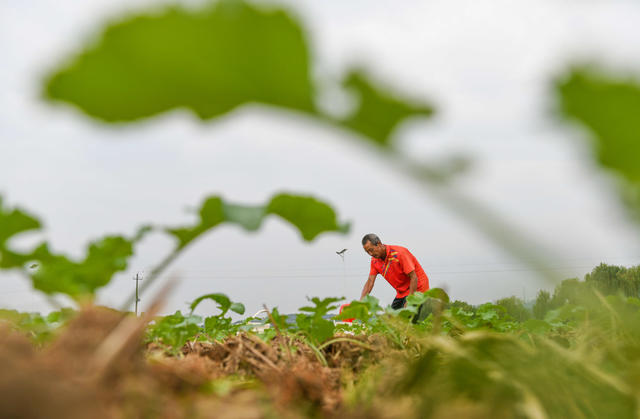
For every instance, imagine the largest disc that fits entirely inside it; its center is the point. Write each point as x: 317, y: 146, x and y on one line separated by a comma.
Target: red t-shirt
x: 396, y: 267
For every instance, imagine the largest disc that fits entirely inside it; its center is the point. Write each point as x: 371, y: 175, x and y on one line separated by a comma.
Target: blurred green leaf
x: 438, y: 293
x: 310, y: 216
x: 608, y: 106
x: 250, y: 218
x: 211, y: 214
x: 59, y: 274
x: 537, y: 326
x: 237, y: 308
x: 380, y: 110
x: 504, y: 377
x: 53, y: 273
x: 212, y: 60
x: 209, y: 60
x: 13, y: 222
x: 38, y: 328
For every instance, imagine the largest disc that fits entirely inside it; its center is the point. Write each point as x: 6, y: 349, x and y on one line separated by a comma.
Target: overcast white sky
x: 486, y: 65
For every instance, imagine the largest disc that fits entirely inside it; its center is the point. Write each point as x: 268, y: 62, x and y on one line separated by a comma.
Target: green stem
x: 357, y: 342
x: 319, y: 355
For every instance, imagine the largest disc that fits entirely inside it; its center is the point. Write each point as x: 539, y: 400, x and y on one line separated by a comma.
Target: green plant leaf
x: 209, y: 60
x: 212, y: 60
x: 280, y: 320
x: 380, y: 110
x: 237, y: 308
x: 361, y: 310
x: 224, y: 303
x: 52, y: 273
x: 537, y: 326
x: 174, y: 330
x: 211, y: 214
x: 608, y: 106
x: 321, y: 306
x: 13, y: 222
x: 438, y: 293
x: 59, y: 274
x: 310, y: 216
x: 250, y: 218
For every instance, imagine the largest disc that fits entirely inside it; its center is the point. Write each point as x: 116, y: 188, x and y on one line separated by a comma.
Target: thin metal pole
x: 137, y: 279
x: 344, y: 271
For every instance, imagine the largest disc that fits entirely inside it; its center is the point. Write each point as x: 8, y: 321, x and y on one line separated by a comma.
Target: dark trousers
x: 398, y: 303
x: 423, y: 311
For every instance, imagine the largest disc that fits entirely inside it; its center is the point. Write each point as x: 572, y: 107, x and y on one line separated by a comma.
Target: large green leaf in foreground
x: 60, y: 274
x: 212, y: 60
x: 13, y: 222
x: 379, y: 110
x: 310, y: 217
x: 53, y: 273
x: 609, y: 107
x: 56, y: 273
x: 209, y: 61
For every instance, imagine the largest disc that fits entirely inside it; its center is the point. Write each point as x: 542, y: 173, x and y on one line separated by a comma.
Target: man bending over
x: 398, y: 266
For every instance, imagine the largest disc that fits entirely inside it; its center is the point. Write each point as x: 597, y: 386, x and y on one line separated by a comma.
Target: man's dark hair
x: 371, y: 238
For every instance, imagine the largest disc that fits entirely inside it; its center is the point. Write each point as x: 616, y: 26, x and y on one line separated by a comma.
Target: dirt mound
x: 97, y: 367
x: 290, y: 369
x: 63, y: 380
x: 354, y: 352
x: 31, y: 388
x: 78, y: 341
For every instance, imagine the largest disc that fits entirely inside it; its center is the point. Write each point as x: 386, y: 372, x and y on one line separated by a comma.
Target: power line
x: 360, y: 274
x: 429, y: 267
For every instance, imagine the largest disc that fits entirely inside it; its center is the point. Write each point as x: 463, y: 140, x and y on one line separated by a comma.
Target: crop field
x: 213, y: 66
x: 574, y: 353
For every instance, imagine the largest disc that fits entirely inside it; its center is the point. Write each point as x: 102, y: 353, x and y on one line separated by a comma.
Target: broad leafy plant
x: 219, y: 326
x: 54, y: 273
x: 312, y: 322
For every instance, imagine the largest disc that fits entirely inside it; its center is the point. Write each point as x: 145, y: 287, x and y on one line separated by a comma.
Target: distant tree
x: 569, y: 291
x: 515, y: 308
x: 631, y: 283
x: 608, y: 279
x: 542, y: 304
x: 463, y: 305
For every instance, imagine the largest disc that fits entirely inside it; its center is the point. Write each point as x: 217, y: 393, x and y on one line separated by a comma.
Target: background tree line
x: 606, y: 279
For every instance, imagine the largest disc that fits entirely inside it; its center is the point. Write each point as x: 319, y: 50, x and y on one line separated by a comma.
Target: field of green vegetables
x: 571, y: 353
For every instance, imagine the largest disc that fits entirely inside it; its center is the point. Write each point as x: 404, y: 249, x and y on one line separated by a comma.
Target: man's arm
x: 413, y: 282
x: 368, y: 286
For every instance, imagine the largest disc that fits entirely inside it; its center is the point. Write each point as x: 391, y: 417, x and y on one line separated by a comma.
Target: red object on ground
x: 342, y: 307
x: 398, y: 263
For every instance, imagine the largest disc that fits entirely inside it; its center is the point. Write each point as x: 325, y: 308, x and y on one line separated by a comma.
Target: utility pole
x: 344, y: 270
x: 137, y: 278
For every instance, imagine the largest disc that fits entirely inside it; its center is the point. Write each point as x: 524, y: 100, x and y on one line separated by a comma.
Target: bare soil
x: 98, y: 367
